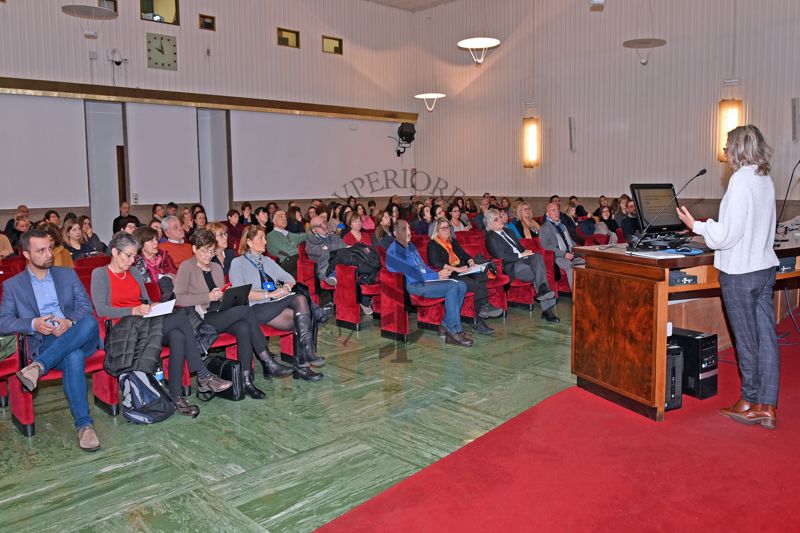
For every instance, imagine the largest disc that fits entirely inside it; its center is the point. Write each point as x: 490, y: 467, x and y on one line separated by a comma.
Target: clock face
x: 162, y: 51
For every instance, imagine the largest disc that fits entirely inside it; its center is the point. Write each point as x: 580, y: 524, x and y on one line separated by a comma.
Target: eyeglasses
x: 205, y: 251
x: 126, y: 254
x: 220, y: 235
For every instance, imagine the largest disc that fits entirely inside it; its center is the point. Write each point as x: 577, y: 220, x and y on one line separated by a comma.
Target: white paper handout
x: 161, y: 309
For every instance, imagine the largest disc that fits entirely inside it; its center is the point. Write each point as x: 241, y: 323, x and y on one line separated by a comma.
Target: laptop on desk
x: 233, y: 297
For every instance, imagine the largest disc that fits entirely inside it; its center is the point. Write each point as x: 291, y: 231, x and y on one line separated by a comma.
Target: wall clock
x: 162, y: 51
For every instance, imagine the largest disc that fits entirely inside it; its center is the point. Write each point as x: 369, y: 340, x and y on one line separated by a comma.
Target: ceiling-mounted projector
x: 597, y: 5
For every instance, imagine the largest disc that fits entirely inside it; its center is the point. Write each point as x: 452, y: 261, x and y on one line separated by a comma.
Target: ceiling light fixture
x: 644, y: 43
x: 478, y: 46
x: 430, y: 96
x: 89, y: 17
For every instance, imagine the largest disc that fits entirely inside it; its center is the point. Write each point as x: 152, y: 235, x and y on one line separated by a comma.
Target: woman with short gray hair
x: 118, y: 292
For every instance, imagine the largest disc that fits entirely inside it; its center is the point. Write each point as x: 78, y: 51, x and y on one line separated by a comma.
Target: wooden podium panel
x: 620, y: 313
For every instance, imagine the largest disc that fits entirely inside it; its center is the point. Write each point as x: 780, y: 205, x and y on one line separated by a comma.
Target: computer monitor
x: 650, y: 198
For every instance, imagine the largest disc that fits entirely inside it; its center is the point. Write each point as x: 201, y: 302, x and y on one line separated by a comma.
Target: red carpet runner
x: 576, y: 462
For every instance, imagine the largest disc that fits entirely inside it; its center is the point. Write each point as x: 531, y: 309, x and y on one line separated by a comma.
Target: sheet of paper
x: 474, y: 269
x: 161, y: 309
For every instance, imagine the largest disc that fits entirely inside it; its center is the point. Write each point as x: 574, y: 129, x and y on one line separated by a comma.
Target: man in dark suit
x: 50, y: 306
x: 519, y: 263
x: 554, y: 236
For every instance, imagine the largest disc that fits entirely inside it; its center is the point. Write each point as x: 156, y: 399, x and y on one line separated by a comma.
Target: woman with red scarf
x: 151, y: 262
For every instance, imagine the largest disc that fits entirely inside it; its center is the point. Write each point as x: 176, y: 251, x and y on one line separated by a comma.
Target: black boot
x: 480, y: 326
x: 250, y: 389
x: 305, y: 340
x: 271, y: 367
x: 305, y: 372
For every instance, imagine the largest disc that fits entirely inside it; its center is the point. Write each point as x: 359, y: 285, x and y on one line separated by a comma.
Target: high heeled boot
x: 271, y: 367
x: 250, y: 389
x: 305, y: 340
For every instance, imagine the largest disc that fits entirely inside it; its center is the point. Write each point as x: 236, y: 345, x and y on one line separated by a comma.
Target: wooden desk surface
x: 785, y: 249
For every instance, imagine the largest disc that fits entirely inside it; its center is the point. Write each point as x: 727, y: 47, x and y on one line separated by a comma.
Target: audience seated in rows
x: 173, y: 240
x: 91, y: 240
x: 21, y: 224
x: 519, y: 263
x: 525, y: 224
x: 606, y: 225
x: 61, y: 256
x: 124, y: 218
x: 446, y: 253
x: 49, y: 305
x: 384, y: 230
x: 74, y: 240
x: 421, y: 280
x: 199, y: 284
x: 275, y: 305
x: 283, y: 244
x: 118, y: 292
x: 234, y: 228
x: 554, y: 236
x: 223, y: 255
x: 320, y: 243
x: 630, y: 222
x: 153, y: 264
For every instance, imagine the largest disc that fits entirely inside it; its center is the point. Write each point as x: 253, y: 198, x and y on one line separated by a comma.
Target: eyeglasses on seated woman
x: 274, y: 303
x: 118, y: 291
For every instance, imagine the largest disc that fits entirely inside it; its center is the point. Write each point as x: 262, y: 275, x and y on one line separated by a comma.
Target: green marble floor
x: 306, y: 455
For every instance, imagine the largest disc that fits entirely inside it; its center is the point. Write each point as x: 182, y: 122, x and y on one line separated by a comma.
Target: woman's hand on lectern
x: 686, y: 217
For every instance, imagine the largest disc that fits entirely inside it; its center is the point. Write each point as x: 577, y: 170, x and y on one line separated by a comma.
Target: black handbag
x: 228, y: 370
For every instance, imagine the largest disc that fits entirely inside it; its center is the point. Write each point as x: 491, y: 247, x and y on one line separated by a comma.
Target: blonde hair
x: 522, y: 206
x: 214, y: 227
x: 746, y: 146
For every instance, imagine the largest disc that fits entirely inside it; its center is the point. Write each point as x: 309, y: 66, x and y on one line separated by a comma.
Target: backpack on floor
x: 144, y: 399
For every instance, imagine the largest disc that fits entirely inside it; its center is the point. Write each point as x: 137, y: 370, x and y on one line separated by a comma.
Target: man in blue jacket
x: 403, y: 257
x: 50, y: 306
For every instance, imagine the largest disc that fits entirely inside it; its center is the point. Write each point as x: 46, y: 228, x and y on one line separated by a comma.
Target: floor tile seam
x: 58, y: 525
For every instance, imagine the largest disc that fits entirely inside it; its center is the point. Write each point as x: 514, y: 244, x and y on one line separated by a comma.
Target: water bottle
x: 159, y: 376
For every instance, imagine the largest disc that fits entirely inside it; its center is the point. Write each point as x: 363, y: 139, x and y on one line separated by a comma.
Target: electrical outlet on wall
x: 135, y: 198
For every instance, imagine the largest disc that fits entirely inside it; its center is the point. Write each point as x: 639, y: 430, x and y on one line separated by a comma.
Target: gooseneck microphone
x: 644, y: 231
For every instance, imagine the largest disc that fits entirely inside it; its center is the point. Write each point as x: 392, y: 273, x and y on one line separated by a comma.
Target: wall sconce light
x: 731, y: 113
x: 531, y: 142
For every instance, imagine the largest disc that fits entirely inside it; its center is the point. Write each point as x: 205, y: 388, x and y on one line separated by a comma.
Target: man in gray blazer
x: 50, y: 307
x: 554, y: 236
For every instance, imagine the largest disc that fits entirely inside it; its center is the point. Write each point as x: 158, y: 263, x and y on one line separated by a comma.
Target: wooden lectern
x: 620, y: 314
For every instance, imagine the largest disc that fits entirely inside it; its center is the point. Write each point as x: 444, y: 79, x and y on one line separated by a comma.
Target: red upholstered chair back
x: 420, y: 241
x: 92, y: 262
x: 13, y: 264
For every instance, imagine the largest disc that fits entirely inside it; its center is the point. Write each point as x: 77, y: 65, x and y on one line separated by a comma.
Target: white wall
x: 39, y: 42
x: 213, y: 147
x: 104, y: 132
x: 287, y: 156
x: 42, y: 152
x: 162, y: 153
x: 655, y: 123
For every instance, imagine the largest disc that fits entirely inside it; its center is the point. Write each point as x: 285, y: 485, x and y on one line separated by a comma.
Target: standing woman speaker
x: 742, y: 242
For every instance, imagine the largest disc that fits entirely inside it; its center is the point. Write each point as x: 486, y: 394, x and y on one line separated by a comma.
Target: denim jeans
x: 452, y: 291
x: 68, y: 353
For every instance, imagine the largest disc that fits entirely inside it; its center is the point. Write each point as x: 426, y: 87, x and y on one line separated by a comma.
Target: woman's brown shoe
x: 739, y: 408
x: 184, y: 408
x: 759, y: 413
